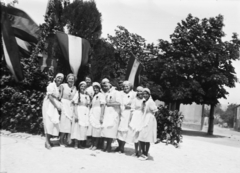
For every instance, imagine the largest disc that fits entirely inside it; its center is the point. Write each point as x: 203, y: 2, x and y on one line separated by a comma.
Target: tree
x: 228, y: 115
x: 125, y: 45
x: 197, y: 64
x: 21, y: 101
x: 83, y: 19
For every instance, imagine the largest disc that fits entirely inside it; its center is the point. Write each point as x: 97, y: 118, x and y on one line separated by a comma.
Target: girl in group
x: 96, y: 115
x: 51, y: 109
x: 111, y: 114
x: 127, y: 98
x: 135, y: 120
x: 81, y: 116
x: 68, y: 90
x: 148, y: 133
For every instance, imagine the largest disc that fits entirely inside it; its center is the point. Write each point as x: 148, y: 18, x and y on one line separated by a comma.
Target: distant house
x: 236, y: 123
x: 193, y: 115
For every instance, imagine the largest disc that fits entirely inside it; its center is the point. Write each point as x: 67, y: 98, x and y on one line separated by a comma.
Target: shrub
x: 169, y: 125
x: 21, y: 110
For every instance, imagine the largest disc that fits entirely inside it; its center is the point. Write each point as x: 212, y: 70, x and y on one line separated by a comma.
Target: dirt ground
x: 198, y: 153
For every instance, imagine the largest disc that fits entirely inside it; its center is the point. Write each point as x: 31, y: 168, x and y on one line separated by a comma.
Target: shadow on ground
x: 200, y: 134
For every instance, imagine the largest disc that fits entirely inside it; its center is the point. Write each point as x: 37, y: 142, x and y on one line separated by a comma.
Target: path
x: 27, y: 154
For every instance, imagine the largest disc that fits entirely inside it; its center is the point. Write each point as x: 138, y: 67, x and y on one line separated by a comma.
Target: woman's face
x: 96, y: 89
x: 126, y: 88
x: 82, y: 88
x: 70, y: 80
x: 146, y: 95
x: 58, y: 80
x: 140, y: 94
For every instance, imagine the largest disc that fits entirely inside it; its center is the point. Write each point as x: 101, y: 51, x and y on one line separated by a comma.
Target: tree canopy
x: 196, y: 65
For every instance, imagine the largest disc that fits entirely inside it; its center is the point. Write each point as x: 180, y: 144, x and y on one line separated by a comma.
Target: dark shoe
x: 48, y: 146
x: 81, y: 147
x: 117, y: 149
x: 121, y: 152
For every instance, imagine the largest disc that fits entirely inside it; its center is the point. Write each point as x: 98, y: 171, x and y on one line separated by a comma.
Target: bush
x: 169, y: 125
x: 21, y: 102
x: 21, y: 111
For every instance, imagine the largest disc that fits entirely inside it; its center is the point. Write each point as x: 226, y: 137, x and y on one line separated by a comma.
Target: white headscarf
x: 59, y: 75
x: 96, y: 84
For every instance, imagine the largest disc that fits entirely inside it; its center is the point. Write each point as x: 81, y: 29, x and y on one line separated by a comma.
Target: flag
x: 74, y: 49
x: 134, y: 68
x: 10, y: 48
x: 23, y: 47
x: 23, y: 26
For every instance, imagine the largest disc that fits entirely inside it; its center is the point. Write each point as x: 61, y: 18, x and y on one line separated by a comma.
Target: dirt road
x: 197, y: 154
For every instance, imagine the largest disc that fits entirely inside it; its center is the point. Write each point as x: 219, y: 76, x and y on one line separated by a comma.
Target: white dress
x: 135, y: 123
x: 95, y: 126
x: 89, y: 91
x: 127, y: 98
x: 49, y: 112
x: 67, y: 108
x: 148, y: 131
x: 111, y: 115
x: 79, y: 129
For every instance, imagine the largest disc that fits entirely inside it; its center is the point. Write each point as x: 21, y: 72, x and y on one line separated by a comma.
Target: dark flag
x: 134, y: 68
x: 10, y: 48
x: 75, y: 50
x: 22, y: 25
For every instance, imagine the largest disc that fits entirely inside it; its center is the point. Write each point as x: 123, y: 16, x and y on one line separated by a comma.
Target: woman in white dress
x: 148, y: 133
x: 111, y: 114
x: 96, y: 115
x: 51, y: 109
x: 127, y: 97
x: 68, y: 90
x: 81, y: 116
x: 135, y: 120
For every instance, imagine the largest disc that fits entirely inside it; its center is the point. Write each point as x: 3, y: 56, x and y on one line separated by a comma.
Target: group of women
x: 105, y: 115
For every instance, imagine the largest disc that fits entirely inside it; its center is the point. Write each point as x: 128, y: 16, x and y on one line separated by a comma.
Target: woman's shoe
x: 81, y: 147
x: 143, y: 157
x: 48, y: 146
x: 94, y: 148
x: 135, y: 155
x: 117, y: 149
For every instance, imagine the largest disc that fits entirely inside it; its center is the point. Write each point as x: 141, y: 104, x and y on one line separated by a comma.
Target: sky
x: 156, y: 19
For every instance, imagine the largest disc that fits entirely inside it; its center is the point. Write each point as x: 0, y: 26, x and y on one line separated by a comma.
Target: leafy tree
x: 218, y: 110
x: 83, y: 19
x: 103, y: 63
x: 196, y: 65
x: 21, y: 102
x: 228, y: 114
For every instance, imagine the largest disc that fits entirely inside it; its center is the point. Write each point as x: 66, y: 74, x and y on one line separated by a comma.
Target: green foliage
x: 83, y: 19
x: 169, y: 125
x: 21, y: 102
x: 21, y: 110
x: 228, y: 115
x: 196, y: 64
x: 103, y: 63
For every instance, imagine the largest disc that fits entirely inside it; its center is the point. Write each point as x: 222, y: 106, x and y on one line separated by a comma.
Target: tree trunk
x: 211, y: 120
x: 202, y: 118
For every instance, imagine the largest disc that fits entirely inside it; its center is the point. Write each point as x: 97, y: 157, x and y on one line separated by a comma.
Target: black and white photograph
x: 120, y: 86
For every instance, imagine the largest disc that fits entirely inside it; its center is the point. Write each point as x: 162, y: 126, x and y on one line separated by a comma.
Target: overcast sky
x: 156, y: 19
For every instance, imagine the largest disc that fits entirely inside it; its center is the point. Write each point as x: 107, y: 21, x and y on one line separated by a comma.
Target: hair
x: 69, y: 75
x: 79, y: 85
x: 98, y: 88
